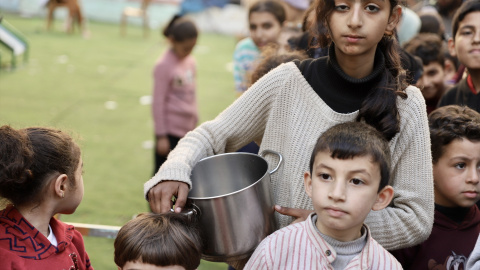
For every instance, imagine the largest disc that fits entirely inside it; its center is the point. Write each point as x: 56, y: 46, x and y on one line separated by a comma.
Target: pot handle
x: 190, y: 210
x: 280, y: 158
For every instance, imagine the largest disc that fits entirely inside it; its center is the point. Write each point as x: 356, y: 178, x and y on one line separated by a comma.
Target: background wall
x: 231, y: 19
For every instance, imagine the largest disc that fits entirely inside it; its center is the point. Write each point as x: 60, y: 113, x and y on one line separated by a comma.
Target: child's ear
x: 448, y: 67
x: 307, y: 182
x: 384, y: 197
x: 394, y: 18
x: 451, y: 47
x: 61, y: 183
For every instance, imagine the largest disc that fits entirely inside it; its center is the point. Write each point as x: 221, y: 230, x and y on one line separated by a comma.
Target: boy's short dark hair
x: 450, y: 123
x: 159, y: 239
x: 432, y: 23
x: 466, y: 8
x: 355, y: 139
x: 427, y: 46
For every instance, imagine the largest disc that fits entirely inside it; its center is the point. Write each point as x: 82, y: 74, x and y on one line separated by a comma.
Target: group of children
x: 349, y: 175
x: 450, y: 67
x: 365, y: 170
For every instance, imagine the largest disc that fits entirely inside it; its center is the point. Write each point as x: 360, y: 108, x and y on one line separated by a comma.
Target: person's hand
x: 163, y: 146
x: 160, y: 196
x: 299, y: 214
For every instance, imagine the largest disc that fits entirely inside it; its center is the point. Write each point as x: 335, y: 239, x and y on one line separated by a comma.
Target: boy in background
x: 465, y: 45
x: 428, y: 47
x: 348, y: 176
x: 155, y: 241
x: 455, y: 136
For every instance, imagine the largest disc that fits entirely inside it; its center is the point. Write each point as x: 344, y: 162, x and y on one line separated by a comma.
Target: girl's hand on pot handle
x: 299, y: 214
x: 160, y: 196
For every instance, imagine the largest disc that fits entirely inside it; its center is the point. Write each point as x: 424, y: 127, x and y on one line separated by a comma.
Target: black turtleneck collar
x: 342, y: 93
x: 456, y: 214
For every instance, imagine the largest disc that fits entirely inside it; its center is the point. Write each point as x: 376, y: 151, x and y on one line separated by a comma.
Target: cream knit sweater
x: 281, y: 112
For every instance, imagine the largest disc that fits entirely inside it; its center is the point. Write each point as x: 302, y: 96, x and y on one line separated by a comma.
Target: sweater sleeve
x: 161, y: 84
x: 409, y: 218
x: 242, y: 122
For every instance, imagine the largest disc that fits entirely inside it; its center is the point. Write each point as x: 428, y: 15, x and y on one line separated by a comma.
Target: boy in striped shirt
x: 348, y: 176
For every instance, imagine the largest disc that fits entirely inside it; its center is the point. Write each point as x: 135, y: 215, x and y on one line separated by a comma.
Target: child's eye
x: 325, y: 176
x: 432, y: 73
x: 267, y: 25
x: 341, y: 7
x: 466, y: 32
x: 356, y: 181
x: 460, y: 165
x: 372, y: 8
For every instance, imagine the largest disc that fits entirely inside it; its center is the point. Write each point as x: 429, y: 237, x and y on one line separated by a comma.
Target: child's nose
x: 427, y: 82
x: 476, y: 37
x: 258, y: 34
x: 473, y: 175
x: 355, y: 19
x: 337, y: 191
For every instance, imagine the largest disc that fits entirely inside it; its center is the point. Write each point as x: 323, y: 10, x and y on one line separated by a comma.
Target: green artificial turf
x: 93, y: 89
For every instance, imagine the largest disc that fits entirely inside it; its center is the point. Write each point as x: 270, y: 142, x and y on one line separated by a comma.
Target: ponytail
x: 15, y: 161
x: 30, y: 158
x: 180, y: 29
x: 379, y: 109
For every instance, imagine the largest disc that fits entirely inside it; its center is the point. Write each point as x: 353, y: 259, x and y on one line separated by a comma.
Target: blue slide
x: 14, y: 41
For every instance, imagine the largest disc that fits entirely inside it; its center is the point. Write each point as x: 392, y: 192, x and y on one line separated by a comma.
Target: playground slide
x: 13, y: 41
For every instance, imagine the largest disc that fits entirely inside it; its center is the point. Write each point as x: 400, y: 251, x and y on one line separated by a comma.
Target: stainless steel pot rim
x: 228, y: 194
x: 237, y: 191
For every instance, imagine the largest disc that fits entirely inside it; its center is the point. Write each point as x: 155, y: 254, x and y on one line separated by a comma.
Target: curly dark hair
x: 450, y: 123
x: 271, y: 58
x: 30, y: 158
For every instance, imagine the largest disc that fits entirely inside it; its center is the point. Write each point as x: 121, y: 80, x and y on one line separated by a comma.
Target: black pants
x: 159, y: 159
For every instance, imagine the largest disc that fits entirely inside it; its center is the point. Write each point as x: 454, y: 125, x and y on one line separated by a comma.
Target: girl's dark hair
x: 379, y: 109
x: 355, y: 139
x: 159, y: 239
x: 180, y: 29
x: 466, y: 8
x: 30, y: 158
x: 270, y: 6
x: 450, y: 123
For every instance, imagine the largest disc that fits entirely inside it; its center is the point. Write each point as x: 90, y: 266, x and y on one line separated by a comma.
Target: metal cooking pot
x: 232, y: 203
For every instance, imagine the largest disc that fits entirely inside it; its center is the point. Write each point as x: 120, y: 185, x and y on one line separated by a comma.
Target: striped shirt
x: 300, y: 246
x: 244, y: 57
